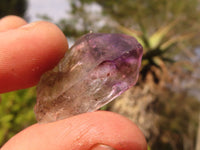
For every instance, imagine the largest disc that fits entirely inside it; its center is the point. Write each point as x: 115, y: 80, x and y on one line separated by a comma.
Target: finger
x: 11, y: 22
x: 27, y: 52
x: 80, y: 132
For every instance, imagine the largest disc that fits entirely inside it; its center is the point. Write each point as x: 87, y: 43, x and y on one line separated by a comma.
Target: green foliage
x: 148, y: 148
x: 16, y: 112
x: 157, y: 45
x: 13, y: 7
x: 148, y: 14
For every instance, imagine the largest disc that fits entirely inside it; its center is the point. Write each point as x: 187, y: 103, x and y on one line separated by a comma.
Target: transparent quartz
x: 94, y: 71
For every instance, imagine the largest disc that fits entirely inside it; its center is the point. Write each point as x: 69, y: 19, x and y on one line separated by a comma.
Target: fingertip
x: 48, y: 32
x: 11, y: 22
x: 27, y: 52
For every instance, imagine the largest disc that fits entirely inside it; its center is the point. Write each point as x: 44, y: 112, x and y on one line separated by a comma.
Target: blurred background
x: 165, y: 103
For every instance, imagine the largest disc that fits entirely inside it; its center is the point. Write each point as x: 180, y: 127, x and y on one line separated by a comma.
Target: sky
x: 55, y: 9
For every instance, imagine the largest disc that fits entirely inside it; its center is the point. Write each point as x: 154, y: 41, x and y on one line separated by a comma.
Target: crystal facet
x: 96, y: 69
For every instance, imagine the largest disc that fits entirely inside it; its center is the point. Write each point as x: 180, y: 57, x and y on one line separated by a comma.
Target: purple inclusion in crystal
x: 96, y: 69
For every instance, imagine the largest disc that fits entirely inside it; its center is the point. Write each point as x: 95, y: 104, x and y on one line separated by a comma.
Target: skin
x: 26, y: 52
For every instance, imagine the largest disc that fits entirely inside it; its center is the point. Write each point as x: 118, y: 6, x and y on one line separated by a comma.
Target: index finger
x: 27, y: 52
x: 11, y: 22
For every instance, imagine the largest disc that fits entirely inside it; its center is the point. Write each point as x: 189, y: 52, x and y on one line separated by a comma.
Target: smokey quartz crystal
x: 94, y: 71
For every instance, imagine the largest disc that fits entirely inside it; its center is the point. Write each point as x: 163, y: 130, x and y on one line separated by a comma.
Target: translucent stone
x: 96, y: 69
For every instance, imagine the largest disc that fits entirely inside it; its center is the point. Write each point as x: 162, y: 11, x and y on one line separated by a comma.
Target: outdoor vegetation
x: 165, y: 103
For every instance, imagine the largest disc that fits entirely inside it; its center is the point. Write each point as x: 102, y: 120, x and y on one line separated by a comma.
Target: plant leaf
x: 157, y: 37
x: 176, y: 39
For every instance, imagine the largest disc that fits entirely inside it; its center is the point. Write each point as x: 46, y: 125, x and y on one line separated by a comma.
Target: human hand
x: 26, y: 52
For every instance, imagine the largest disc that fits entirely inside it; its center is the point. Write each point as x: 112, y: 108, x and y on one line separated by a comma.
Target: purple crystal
x: 96, y: 69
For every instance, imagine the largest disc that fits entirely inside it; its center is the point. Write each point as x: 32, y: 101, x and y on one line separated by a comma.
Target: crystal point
x: 96, y: 69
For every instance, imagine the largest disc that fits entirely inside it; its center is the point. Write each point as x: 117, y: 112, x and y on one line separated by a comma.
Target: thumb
x: 80, y: 132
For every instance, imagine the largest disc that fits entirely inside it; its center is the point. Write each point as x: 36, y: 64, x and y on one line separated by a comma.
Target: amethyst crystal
x: 97, y: 69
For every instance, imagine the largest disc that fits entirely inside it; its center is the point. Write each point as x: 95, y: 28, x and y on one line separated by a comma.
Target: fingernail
x: 102, y: 147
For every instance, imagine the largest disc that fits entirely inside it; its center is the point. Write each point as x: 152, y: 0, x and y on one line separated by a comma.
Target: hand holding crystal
x: 26, y: 52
